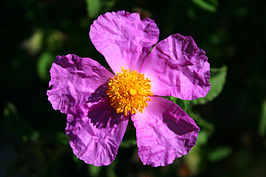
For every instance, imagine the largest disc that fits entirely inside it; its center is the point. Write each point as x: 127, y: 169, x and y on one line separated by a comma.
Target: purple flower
x: 99, y: 104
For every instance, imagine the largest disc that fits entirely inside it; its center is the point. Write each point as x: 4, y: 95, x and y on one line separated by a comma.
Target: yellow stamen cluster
x: 129, y: 92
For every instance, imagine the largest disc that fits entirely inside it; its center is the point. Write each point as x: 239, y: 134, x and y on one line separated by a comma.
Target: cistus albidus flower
x: 99, y: 103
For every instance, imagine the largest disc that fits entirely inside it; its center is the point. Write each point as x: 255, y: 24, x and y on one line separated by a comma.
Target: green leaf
x: 61, y: 138
x: 96, y: 7
x: 203, y: 124
x: 111, y: 170
x: 54, y: 40
x: 184, y: 104
x: 94, y: 171
x: 217, y: 80
x: 203, y: 137
x: 128, y: 143
x: 44, y: 64
x: 207, y: 5
x: 262, y: 122
x: 35, y: 42
x: 194, y: 160
x: 219, y: 153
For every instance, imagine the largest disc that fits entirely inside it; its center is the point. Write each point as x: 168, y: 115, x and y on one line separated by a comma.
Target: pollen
x: 129, y: 92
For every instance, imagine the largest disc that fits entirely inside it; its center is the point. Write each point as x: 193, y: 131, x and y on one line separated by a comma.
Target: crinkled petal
x: 164, y: 132
x: 73, y: 80
x: 177, y: 67
x: 95, y: 138
x: 123, y: 39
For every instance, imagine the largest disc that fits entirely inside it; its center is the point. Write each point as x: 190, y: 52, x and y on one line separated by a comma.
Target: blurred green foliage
x: 232, y: 117
x: 217, y: 81
x: 96, y: 7
x: 207, y: 5
x: 262, y: 122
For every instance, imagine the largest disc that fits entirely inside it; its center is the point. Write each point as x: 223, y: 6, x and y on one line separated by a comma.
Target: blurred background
x: 232, y: 118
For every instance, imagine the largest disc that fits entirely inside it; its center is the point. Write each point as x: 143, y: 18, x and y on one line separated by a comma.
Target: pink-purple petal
x: 164, y: 132
x: 73, y: 80
x: 177, y: 67
x: 123, y: 39
x: 95, y: 137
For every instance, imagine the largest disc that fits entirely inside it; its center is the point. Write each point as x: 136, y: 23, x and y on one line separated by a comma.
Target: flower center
x: 129, y: 92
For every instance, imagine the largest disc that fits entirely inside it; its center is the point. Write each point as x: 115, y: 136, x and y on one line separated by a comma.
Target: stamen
x: 129, y: 92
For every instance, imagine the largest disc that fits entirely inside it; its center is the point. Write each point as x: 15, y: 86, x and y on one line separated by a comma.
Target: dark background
x: 232, y: 32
